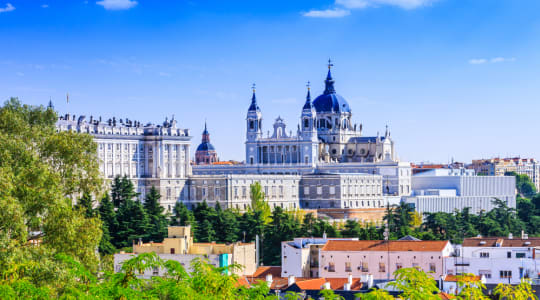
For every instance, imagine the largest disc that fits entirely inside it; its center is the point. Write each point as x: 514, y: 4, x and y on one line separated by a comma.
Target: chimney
x: 324, y: 235
x: 347, y: 286
x: 524, y: 236
x: 269, y: 279
x: 326, y: 286
x: 291, y: 280
x: 349, y: 281
x: 510, y: 236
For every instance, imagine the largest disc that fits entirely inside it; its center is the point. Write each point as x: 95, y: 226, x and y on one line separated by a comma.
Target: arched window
x: 306, y: 123
x: 251, y: 124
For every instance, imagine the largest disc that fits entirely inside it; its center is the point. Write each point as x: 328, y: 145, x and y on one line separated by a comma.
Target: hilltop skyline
x: 451, y: 79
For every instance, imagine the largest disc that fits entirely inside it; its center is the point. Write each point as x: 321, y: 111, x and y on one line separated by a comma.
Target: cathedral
x: 325, y: 134
x: 206, y: 153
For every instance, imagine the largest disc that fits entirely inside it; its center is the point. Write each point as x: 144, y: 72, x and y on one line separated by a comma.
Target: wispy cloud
x: 342, y: 8
x: 44, y: 5
x: 117, y: 4
x: 8, y: 7
x: 480, y: 61
x: 405, y: 4
x: 328, y: 13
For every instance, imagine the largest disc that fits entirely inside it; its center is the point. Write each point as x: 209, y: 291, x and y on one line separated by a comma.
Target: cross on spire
x: 330, y: 64
x: 308, y: 85
x: 253, y: 87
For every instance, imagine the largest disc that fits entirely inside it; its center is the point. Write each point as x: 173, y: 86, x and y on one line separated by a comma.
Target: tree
x: 352, y: 229
x: 109, y: 224
x: 86, y: 205
x: 470, y: 288
x: 41, y: 170
x: 522, y: 291
x: 375, y: 294
x: 205, y: 232
x: 182, y: 216
x: 257, y: 197
x: 122, y: 189
x: 133, y: 224
x: 414, y: 284
x: 157, y: 219
x: 282, y: 228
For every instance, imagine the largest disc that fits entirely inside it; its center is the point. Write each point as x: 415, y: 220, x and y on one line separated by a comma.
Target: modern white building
x: 447, y: 190
x: 498, y: 259
x: 149, y: 155
x: 499, y: 166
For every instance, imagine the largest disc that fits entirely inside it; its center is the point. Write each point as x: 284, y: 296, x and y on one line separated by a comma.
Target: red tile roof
x: 262, y: 271
x: 430, y: 246
x: 504, y: 242
x: 311, y: 284
x: 242, y: 281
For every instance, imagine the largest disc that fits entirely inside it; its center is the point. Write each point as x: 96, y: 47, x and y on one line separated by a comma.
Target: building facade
x: 149, y: 155
x: 500, y: 166
x: 179, y: 246
x: 446, y: 190
x: 382, y: 258
x: 498, y: 259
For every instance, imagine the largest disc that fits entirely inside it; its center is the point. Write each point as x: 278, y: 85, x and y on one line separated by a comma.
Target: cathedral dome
x: 330, y: 101
x: 205, y: 146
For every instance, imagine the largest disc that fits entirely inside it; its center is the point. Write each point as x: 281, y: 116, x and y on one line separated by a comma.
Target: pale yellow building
x: 179, y: 246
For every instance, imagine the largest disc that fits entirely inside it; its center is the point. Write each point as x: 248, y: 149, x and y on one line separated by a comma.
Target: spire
x: 329, y: 82
x: 253, y: 105
x: 50, y: 105
x: 205, y: 134
x: 307, y: 105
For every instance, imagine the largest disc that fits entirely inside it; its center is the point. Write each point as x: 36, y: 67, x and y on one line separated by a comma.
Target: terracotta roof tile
x: 312, y: 284
x: 456, y: 278
x: 504, y: 242
x: 446, y: 296
x: 431, y: 246
x: 262, y: 271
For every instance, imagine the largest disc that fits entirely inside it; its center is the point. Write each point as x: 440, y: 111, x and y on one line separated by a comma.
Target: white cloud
x: 117, y: 4
x: 44, y: 5
x: 328, y: 13
x: 8, y: 7
x: 479, y: 61
x: 502, y: 59
x: 405, y: 4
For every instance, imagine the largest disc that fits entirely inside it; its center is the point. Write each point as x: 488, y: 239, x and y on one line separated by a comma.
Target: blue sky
x: 452, y: 78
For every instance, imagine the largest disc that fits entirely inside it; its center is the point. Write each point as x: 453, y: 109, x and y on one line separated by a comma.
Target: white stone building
x: 498, y: 259
x: 149, y: 155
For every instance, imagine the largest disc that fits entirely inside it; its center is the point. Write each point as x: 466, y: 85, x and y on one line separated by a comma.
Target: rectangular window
x: 484, y: 254
x: 244, y: 191
x: 399, y: 266
x: 485, y: 273
x: 508, y: 254
x: 331, y: 267
x: 281, y: 191
x: 155, y: 271
x: 236, y: 191
x: 348, y: 267
x: 216, y: 193
x: 520, y: 255
x: 319, y: 190
x: 332, y: 190
x: 365, y: 266
x: 432, y: 267
x: 306, y: 190
x: 416, y: 266
x: 204, y: 192
x: 505, y: 274
x: 382, y: 267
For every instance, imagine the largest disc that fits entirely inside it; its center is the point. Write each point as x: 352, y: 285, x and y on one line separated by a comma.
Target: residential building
x: 498, y: 259
x: 179, y: 246
x: 500, y: 166
x: 338, y: 258
x: 300, y: 257
x: 447, y: 190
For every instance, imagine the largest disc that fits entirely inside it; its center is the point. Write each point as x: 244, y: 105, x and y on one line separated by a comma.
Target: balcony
x: 462, y: 262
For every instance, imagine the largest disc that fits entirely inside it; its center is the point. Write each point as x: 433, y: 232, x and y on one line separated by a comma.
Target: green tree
x: 122, y: 189
x: 522, y: 291
x: 86, y: 205
x: 375, y: 294
x: 133, y: 224
x: 351, y: 229
x: 182, y: 216
x: 205, y: 232
x: 258, y: 203
x: 284, y: 227
x: 40, y: 172
x: 109, y: 223
x: 157, y: 229
x: 414, y: 284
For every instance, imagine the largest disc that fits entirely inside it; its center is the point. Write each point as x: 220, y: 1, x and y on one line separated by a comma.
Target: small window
x: 172, y: 250
x: 399, y: 266
x: 319, y: 190
x: 520, y: 255
x: 382, y: 267
x: 365, y: 266
x: 251, y: 124
x: 306, y: 123
x: 508, y: 254
x: 505, y: 274
x: 348, y: 266
x: 432, y: 267
x: 484, y: 254
x: 331, y: 267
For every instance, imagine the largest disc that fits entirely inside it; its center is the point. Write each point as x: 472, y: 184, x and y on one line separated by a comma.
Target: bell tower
x: 253, y: 129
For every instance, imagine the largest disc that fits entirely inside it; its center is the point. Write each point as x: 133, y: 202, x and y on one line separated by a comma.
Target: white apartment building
x: 498, y: 259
